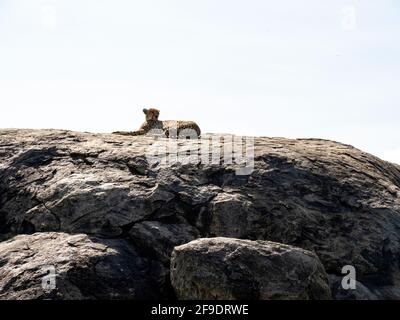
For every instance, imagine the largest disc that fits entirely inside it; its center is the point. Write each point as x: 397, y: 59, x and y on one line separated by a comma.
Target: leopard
x: 167, y: 128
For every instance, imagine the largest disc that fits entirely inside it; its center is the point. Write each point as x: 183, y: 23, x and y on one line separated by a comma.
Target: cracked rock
x: 83, y: 268
x: 322, y: 196
x: 233, y: 269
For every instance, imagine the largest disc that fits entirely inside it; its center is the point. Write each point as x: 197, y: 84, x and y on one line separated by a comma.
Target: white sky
x: 288, y: 68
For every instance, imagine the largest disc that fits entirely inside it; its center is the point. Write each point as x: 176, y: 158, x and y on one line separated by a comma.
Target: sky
x: 298, y: 69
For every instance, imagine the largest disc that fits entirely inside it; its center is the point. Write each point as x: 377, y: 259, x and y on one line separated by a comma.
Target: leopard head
x: 151, y: 114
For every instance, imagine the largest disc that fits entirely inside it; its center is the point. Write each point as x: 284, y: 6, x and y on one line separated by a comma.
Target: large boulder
x: 226, y: 269
x: 61, y: 266
x: 326, y: 197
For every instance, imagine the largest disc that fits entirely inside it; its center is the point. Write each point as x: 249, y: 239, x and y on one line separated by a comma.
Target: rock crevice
x: 330, y: 199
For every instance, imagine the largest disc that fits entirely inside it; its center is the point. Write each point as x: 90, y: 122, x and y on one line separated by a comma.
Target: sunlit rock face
x: 147, y: 197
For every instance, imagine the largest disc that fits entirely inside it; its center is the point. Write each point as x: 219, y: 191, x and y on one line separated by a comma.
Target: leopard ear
x: 145, y: 111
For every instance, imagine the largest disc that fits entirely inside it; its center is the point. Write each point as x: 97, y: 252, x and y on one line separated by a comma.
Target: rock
x: 359, y: 293
x: 159, y: 239
x: 85, y: 268
x: 323, y: 196
x: 226, y: 269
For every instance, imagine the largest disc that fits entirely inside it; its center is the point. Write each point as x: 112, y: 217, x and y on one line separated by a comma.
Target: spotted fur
x: 168, y: 128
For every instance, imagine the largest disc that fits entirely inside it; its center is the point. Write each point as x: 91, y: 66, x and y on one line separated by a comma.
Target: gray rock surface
x: 233, y: 269
x: 159, y: 239
x: 322, y: 196
x: 84, y: 268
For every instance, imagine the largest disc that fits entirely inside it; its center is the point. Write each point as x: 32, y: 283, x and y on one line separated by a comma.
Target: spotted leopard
x: 168, y: 128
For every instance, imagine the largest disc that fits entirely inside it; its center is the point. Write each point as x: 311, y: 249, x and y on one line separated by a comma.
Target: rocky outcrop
x: 325, y: 197
x: 79, y: 266
x: 232, y: 269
